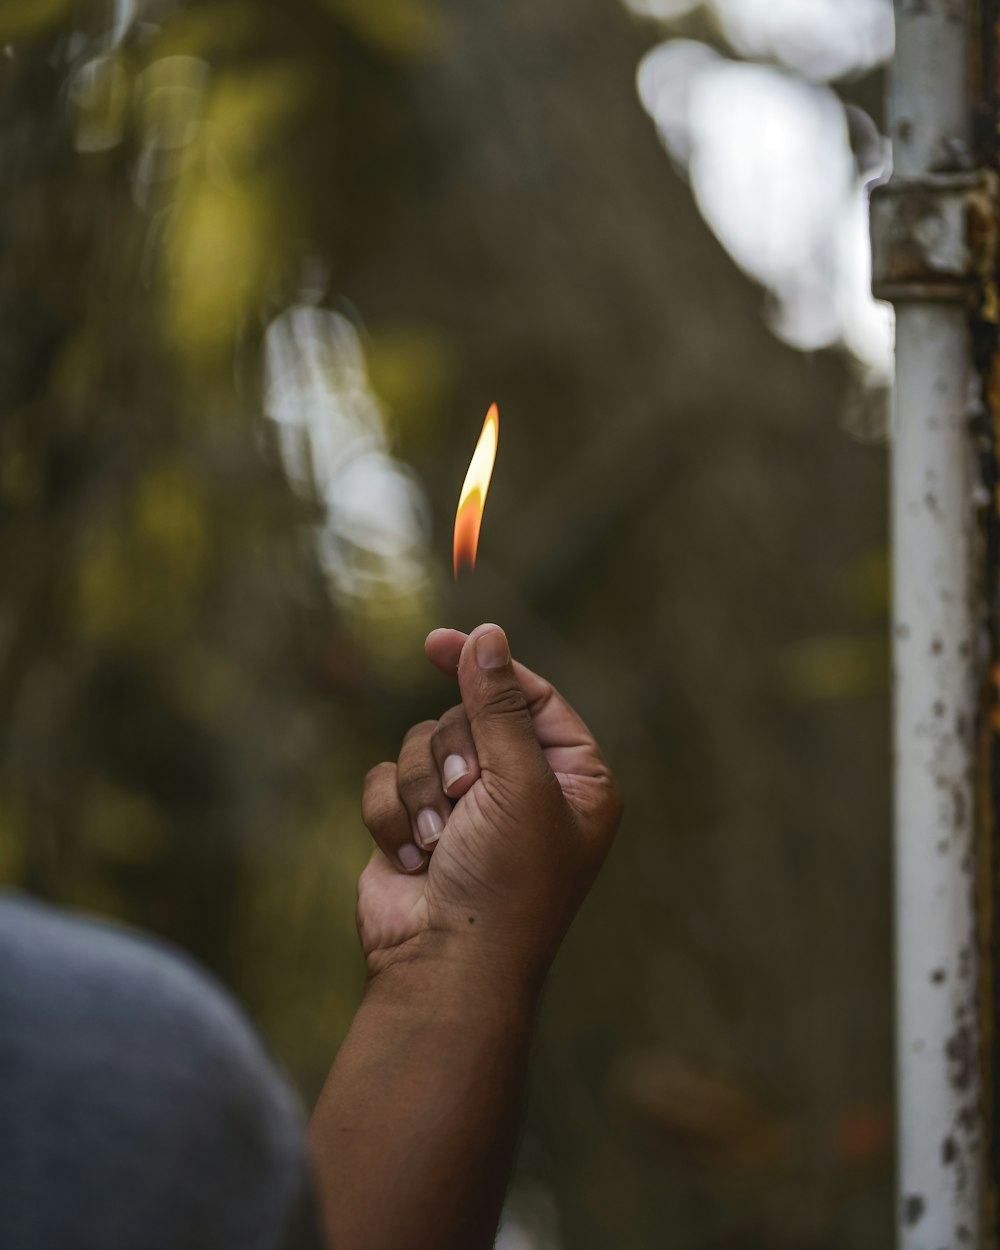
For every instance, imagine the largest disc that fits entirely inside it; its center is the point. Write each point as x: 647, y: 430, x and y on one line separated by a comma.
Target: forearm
x: 414, y: 1132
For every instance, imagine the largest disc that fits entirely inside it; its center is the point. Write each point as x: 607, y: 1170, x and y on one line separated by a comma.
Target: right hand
x: 535, y: 816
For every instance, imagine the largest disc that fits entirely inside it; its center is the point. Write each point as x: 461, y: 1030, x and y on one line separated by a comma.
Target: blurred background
x: 263, y: 266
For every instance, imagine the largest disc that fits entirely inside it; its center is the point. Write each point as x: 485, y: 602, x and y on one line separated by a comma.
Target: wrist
x: 439, y: 975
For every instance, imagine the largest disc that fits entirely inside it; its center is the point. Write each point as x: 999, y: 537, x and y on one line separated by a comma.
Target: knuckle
x: 423, y: 729
x: 451, y: 720
x: 378, y: 776
x: 373, y: 812
x: 507, y: 704
x: 378, y: 804
x: 419, y: 777
x: 453, y: 735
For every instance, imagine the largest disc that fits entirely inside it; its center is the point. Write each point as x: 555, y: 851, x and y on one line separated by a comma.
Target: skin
x: 470, y: 889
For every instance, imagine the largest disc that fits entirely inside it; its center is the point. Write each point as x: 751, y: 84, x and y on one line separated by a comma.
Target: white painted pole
x: 933, y: 539
x: 938, y: 1079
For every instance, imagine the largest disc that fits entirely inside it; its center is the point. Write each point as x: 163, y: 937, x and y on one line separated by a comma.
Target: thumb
x: 494, y: 702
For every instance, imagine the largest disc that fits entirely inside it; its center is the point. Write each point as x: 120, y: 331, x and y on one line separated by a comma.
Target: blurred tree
x: 679, y: 533
x: 166, y: 692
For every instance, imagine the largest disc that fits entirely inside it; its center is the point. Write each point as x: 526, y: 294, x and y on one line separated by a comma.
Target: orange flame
x: 472, y: 500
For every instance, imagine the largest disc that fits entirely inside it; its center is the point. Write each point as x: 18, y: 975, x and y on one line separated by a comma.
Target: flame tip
x: 472, y: 499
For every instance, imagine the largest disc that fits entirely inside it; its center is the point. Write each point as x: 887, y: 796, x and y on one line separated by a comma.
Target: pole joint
x: 936, y: 237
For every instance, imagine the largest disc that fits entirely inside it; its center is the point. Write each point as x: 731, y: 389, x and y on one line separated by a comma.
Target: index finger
x: 556, y: 724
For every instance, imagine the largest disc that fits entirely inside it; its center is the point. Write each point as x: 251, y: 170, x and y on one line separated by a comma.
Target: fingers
x: 406, y: 805
x: 420, y: 787
x: 455, y: 752
x: 559, y: 729
x: 498, y: 713
x: 443, y: 648
x: 388, y: 820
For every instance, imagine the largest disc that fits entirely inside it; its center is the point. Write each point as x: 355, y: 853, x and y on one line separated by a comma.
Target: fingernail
x: 453, y: 769
x: 411, y: 857
x: 429, y: 826
x: 492, y: 650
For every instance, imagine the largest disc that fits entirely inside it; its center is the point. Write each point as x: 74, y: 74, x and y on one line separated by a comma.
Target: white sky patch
x: 377, y: 529
x: 124, y: 15
x: 666, y: 79
x: 823, y: 39
x: 868, y: 325
x: 772, y: 171
x: 332, y: 436
x: 662, y: 10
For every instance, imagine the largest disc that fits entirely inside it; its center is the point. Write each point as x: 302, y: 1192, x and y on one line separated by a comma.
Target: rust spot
x: 913, y: 1209
x: 968, y: 1119
x: 949, y: 1150
x: 961, y: 1056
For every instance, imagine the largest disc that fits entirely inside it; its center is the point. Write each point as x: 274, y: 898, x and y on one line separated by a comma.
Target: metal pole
x: 926, y: 266
x: 933, y: 533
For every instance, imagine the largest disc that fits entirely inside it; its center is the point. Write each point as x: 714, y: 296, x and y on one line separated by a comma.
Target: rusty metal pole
x: 927, y: 260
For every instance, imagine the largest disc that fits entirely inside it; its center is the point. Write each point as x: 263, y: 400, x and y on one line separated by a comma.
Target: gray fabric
x: 137, y: 1107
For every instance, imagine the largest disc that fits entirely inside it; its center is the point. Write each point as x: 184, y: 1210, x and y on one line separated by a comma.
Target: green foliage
x: 189, y: 697
x: 24, y: 20
x: 168, y: 703
x: 400, y: 29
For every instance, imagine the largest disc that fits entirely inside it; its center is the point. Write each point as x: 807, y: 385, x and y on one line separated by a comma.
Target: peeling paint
x: 964, y: 963
x: 960, y: 804
x: 960, y: 1052
x: 913, y: 1209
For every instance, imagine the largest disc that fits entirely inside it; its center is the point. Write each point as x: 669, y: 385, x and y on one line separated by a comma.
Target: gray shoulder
x: 123, y: 1062
x: 71, y: 978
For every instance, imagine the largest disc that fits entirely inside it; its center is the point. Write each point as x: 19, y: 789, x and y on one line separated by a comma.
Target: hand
x: 497, y: 878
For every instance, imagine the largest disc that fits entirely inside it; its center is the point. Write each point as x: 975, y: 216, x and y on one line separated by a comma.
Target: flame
x: 472, y: 500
